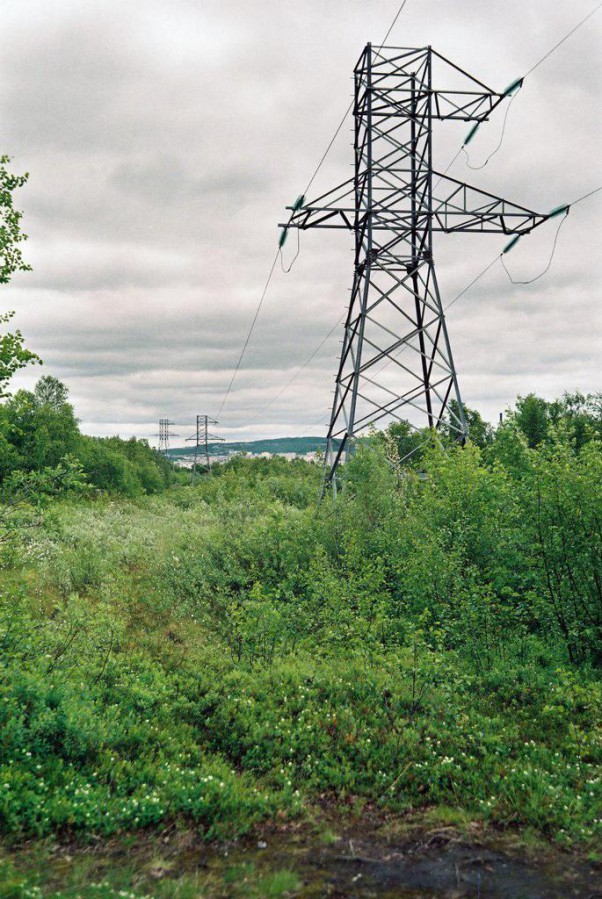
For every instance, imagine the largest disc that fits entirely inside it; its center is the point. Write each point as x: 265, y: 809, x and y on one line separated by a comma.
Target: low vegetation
x: 227, y: 653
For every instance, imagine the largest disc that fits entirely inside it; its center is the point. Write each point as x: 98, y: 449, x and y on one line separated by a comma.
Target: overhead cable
x: 559, y: 210
x: 512, y: 90
x: 298, y: 371
x: 585, y: 196
x: 248, y: 337
x: 294, y: 259
x: 565, y: 38
x: 499, y: 144
x: 284, y: 233
x: 350, y: 107
x: 550, y: 260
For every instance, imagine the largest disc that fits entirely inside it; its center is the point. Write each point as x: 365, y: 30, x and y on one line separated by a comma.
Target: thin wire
x: 501, y: 140
x: 328, y: 148
x: 393, y: 23
x: 552, y: 254
x: 246, y: 343
x: 547, y: 268
x: 349, y: 108
x: 473, y: 282
x: 535, y: 66
x: 310, y: 182
x: 449, y: 165
x: 297, y: 372
x: 565, y: 38
x: 585, y: 196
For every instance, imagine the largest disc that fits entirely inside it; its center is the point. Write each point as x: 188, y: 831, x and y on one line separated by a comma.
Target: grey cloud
x: 164, y: 140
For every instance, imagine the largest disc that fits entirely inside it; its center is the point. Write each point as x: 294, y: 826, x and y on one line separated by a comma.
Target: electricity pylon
x: 201, y: 439
x: 164, y: 435
x: 393, y: 204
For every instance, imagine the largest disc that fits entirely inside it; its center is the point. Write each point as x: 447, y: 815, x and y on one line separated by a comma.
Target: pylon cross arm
x: 457, y: 207
x: 461, y: 207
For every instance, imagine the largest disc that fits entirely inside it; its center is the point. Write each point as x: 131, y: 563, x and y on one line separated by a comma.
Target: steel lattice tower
x: 393, y: 204
x: 201, y: 439
x: 165, y: 435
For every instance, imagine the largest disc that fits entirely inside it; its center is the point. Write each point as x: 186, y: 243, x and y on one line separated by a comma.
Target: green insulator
x: 471, y: 133
x: 510, y: 244
x: 282, y: 238
x: 558, y: 210
x: 518, y: 82
x: 298, y: 202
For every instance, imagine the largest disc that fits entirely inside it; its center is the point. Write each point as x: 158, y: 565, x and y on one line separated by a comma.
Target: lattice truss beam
x: 396, y: 361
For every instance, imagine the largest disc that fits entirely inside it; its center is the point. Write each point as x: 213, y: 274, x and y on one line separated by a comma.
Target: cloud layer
x: 164, y: 140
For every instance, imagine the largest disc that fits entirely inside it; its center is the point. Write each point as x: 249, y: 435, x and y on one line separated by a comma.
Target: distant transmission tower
x: 393, y: 204
x: 201, y: 439
x: 165, y: 435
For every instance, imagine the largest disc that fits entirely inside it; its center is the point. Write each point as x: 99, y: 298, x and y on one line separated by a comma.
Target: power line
x: 565, y: 38
x: 393, y: 23
x: 472, y: 283
x: 294, y: 259
x: 273, y: 266
x: 449, y: 165
x: 585, y: 196
x: 297, y: 372
x: 500, y: 142
x: 518, y: 83
x: 328, y: 148
x: 349, y: 108
x: 566, y: 211
x: 246, y: 343
x: 550, y: 260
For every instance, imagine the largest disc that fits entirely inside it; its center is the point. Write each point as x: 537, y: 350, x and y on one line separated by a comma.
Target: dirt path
x: 336, y: 858
x: 442, y: 865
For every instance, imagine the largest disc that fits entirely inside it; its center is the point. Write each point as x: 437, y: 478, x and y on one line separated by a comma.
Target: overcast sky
x: 164, y: 139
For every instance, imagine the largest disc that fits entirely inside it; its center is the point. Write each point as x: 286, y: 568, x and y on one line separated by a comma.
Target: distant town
x: 308, y: 448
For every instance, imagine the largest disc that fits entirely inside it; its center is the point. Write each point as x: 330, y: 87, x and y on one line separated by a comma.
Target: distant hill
x: 299, y: 445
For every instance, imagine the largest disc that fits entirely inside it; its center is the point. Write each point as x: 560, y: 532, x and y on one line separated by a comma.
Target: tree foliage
x: 39, y: 430
x: 13, y: 354
x: 11, y: 235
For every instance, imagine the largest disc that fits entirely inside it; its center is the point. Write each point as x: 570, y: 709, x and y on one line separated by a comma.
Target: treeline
x: 575, y: 417
x: 39, y: 434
